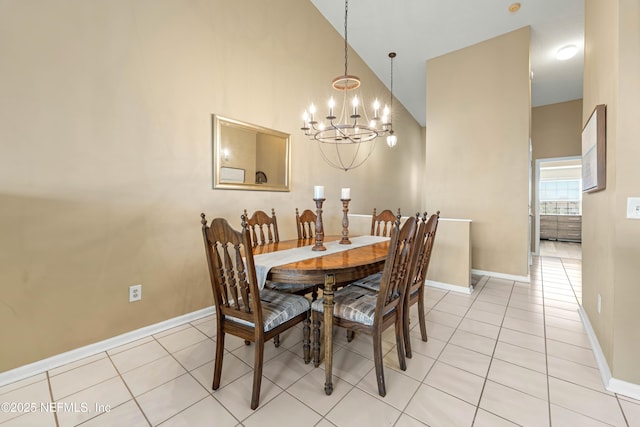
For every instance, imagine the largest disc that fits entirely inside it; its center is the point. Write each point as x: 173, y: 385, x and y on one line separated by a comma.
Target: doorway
x: 558, y: 207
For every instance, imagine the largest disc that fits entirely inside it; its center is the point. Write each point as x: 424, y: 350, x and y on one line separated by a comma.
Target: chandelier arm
x: 353, y: 164
x: 340, y: 158
x: 327, y: 159
x: 355, y: 156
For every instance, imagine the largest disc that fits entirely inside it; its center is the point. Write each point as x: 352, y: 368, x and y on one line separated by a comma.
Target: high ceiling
x: 419, y: 30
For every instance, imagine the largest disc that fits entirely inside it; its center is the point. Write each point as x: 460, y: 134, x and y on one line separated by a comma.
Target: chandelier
x: 346, y: 137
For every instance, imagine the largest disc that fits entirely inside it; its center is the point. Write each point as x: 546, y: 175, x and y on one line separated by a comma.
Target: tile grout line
x: 435, y: 360
x: 546, y: 354
x: 486, y: 377
x: 188, y: 372
x: 128, y: 389
x: 421, y: 383
x: 55, y: 414
x: 579, y: 302
x: 624, y: 416
x: 549, y: 376
x: 564, y: 269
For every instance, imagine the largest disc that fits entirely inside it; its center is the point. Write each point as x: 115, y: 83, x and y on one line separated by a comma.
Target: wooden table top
x: 349, y: 265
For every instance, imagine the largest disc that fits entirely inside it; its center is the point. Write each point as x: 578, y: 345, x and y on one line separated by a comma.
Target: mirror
x: 249, y: 157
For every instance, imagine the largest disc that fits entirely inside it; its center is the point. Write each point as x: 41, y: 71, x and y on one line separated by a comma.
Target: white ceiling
x: 422, y: 29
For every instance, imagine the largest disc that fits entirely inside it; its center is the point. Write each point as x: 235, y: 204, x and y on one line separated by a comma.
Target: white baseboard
x: 525, y: 279
x: 601, y: 361
x: 624, y: 388
x: 613, y: 385
x: 449, y: 287
x: 61, y: 359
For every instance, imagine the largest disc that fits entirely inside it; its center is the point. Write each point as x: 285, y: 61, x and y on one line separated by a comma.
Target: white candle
x: 318, y: 192
x: 346, y: 193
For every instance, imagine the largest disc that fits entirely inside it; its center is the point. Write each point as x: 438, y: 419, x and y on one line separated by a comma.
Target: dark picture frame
x: 594, y: 151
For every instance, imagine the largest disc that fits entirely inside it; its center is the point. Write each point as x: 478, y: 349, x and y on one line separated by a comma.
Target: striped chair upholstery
x: 293, y: 288
x: 351, y: 303
x: 277, y: 308
x: 371, y: 282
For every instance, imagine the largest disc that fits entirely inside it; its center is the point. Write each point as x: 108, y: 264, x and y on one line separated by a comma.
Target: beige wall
x: 478, y: 116
x: 556, y: 131
x: 610, y: 241
x: 105, y: 153
x: 450, y: 264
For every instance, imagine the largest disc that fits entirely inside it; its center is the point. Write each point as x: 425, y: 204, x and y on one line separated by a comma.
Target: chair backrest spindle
x: 382, y: 223
x: 305, y: 224
x: 394, y: 279
x: 232, y: 271
x: 424, y: 249
x: 260, y: 222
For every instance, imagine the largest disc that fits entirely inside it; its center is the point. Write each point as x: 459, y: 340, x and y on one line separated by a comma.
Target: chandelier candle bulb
x: 345, y: 194
x: 318, y: 192
x: 312, y: 111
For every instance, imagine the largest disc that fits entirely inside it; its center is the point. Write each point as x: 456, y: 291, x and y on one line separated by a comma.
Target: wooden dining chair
x: 264, y: 230
x: 305, y: 224
x: 259, y: 223
x: 241, y: 308
x: 382, y: 223
x: 415, y: 289
x: 360, y: 309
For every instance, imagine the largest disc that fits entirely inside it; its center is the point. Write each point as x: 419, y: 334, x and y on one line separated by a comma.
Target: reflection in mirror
x: 249, y: 157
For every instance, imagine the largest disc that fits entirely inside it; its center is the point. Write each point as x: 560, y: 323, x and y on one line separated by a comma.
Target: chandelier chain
x: 346, y: 48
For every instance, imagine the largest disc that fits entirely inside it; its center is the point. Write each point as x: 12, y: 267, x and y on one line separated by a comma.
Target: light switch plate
x: 633, y: 207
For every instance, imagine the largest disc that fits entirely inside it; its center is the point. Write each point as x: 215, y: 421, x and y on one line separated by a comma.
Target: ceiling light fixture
x: 514, y: 7
x: 347, y: 139
x: 566, y: 52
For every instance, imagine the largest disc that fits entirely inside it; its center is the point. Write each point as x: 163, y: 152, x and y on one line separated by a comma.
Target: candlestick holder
x: 319, y: 227
x: 345, y: 222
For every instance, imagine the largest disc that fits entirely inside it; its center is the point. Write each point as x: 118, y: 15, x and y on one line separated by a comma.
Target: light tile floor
x: 511, y: 353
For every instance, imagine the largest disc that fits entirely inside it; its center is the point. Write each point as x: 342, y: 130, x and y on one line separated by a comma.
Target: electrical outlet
x: 135, y: 293
x: 633, y: 207
x: 599, y: 304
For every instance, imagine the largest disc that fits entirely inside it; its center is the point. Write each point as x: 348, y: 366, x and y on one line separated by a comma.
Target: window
x: 561, y: 197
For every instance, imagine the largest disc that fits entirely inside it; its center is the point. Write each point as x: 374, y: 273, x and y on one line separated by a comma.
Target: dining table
x: 340, y: 265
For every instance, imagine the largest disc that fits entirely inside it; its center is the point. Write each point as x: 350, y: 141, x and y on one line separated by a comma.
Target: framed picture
x: 234, y: 175
x: 594, y: 151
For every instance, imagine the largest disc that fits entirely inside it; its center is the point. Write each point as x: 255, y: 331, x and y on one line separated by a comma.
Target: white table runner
x: 264, y: 262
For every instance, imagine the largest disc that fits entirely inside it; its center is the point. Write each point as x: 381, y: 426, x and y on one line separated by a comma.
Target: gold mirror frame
x: 247, y: 155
